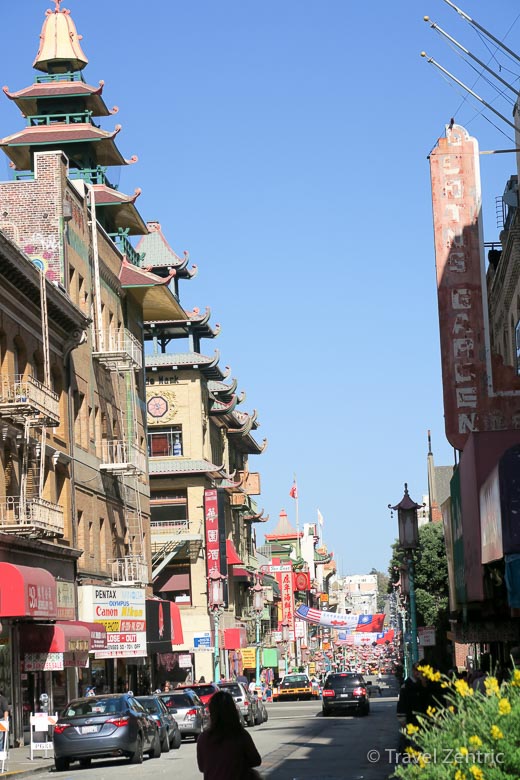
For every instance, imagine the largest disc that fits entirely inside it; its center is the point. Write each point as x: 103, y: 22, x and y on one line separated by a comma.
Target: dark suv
x: 345, y: 691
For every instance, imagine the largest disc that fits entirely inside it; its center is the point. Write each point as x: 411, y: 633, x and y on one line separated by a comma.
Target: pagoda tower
x: 60, y: 108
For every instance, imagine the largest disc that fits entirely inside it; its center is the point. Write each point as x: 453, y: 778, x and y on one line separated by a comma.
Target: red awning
x: 58, y: 638
x: 177, y: 637
x: 27, y: 591
x: 175, y: 582
x: 239, y: 573
x: 232, y: 555
x: 98, y: 634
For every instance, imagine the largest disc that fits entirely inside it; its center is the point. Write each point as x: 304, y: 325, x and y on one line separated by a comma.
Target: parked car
x: 101, y: 726
x: 190, y: 713
x: 345, y: 691
x: 294, y: 686
x: 203, y: 690
x: 262, y: 715
x: 247, y: 703
x: 169, y: 731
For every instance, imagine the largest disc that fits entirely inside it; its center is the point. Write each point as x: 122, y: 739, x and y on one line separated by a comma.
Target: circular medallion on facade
x: 301, y: 581
x: 157, y: 406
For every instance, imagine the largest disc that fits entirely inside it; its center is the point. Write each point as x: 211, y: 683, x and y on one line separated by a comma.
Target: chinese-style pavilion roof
x: 222, y: 407
x: 239, y: 427
x: 283, y: 529
x: 27, y: 99
x: 60, y: 47
x: 223, y: 390
x: 183, y: 360
x: 121, y: 211
x: 256, y: 518
x: 196, y: 321
x: 159, y: 253
x: 322, y: 557
x: 149, y: 290
x: 163, y: 466
x: 101, y: 143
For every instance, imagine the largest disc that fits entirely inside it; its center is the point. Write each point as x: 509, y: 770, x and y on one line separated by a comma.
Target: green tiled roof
x: 181, y: 466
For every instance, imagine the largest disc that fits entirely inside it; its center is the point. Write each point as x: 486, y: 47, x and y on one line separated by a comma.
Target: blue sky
x: 284, y: 144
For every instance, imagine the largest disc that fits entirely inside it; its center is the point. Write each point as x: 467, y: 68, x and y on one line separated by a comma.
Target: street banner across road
x: 344, y: 622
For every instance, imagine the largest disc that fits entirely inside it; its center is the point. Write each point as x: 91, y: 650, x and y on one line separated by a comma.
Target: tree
x: 382, y: 588
x: 431, y: 576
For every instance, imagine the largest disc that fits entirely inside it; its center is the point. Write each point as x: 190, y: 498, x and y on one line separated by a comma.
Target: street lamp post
x: 216, y: 604
x: 408, y: 542
x: 258, y: 607
x: 285, y: 643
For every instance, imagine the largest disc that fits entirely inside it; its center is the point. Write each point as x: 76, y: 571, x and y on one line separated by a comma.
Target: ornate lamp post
x: 216, y: 605
x: 408, y: 542
x: 284, y: 644
x: 258, y: 607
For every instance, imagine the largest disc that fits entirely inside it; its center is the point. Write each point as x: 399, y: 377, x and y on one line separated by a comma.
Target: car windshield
x: 204, y: 690
x: 296, y: 678
x: 341, y: 679
x: 178, y: 700
x: 149, y: 703
x: 93, y: 706
x: 233, y: 688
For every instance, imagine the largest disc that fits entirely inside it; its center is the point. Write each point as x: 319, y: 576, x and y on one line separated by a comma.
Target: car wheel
x: 61, y: 764
x: 155, y: 750
x: 85, y: 763
x: 137, y: 755
x: 165, y: 744
x: 325, y: 713
x: 177, y: 741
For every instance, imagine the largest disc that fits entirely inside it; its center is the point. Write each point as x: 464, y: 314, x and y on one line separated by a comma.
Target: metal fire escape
x: 27, y: 408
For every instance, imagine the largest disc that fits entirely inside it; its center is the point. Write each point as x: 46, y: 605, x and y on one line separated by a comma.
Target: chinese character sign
x: 287, y: 594
x: 212, y: 530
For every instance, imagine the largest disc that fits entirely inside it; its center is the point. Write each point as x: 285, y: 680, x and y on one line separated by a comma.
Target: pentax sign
x: 123, y: 613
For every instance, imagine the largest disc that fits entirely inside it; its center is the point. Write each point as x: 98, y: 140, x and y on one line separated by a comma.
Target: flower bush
x: 474, y: 736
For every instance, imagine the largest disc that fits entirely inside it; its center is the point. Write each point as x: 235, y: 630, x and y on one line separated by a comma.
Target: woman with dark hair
x: 225, y: 751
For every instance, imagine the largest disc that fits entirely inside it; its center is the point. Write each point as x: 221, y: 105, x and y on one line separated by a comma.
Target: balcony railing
x: 34, y: 517
x: 37, y: 120
x: 43, y: 78
x: 97, y: 175
x: 171, y: 528
x: 129, y: 570
x: 127, y: 249
x: 120, y: 457
x: 117, y: 349
x: 22, y: 397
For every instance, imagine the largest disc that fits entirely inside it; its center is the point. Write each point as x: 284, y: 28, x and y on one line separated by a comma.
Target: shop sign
x: 202, y: 640
x: 299, y: 629
x: 43, y: 662
x: 491, y: 519
x: 426, y: 636
x: 65, y: 600
x: 123, y: 613
x: 248, y: 657
x: 287, y: 599
x: 185, y: 661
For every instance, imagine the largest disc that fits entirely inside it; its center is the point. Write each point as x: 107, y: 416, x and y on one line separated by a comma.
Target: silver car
x: 190, y: 713
x: 247, y: 704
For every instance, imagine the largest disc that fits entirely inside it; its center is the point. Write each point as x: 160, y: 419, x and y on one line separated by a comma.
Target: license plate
x: 88, y: 729
x: 344, y: 695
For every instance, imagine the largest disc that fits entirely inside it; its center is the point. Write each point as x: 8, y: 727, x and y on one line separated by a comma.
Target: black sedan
x: 169, y: 732
x: 345, y: 691
x: 102, y: 726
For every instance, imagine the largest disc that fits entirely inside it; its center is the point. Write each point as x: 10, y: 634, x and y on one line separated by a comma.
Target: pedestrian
x: 4, y: 712
x: 202, y: 679
x: 225, y: 750
x: 167, y: 687
x: 414, y: 699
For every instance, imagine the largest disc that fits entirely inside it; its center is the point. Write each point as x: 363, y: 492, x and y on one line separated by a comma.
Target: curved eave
x: 156, y: 300
x: 167, y: 466
x: 177, y: 329
x: 120, y: 210
x: 27, y: 99
x: 220, y: 388
x: 159, y: 253
x: 219, y: 407
x: 258, y: 518
x: 187, y: 361
x: 18, y: 146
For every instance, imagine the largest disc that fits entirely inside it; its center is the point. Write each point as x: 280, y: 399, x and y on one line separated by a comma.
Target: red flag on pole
x: 293, y: 492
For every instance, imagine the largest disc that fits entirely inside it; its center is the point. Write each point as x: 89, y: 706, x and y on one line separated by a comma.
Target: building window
x: 165, y: 442
x: 169, y: 510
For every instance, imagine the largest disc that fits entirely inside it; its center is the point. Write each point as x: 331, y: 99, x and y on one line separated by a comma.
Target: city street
x: 296, y: 743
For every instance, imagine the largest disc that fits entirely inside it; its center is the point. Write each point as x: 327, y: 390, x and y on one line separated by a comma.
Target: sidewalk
x: 19, y: 762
